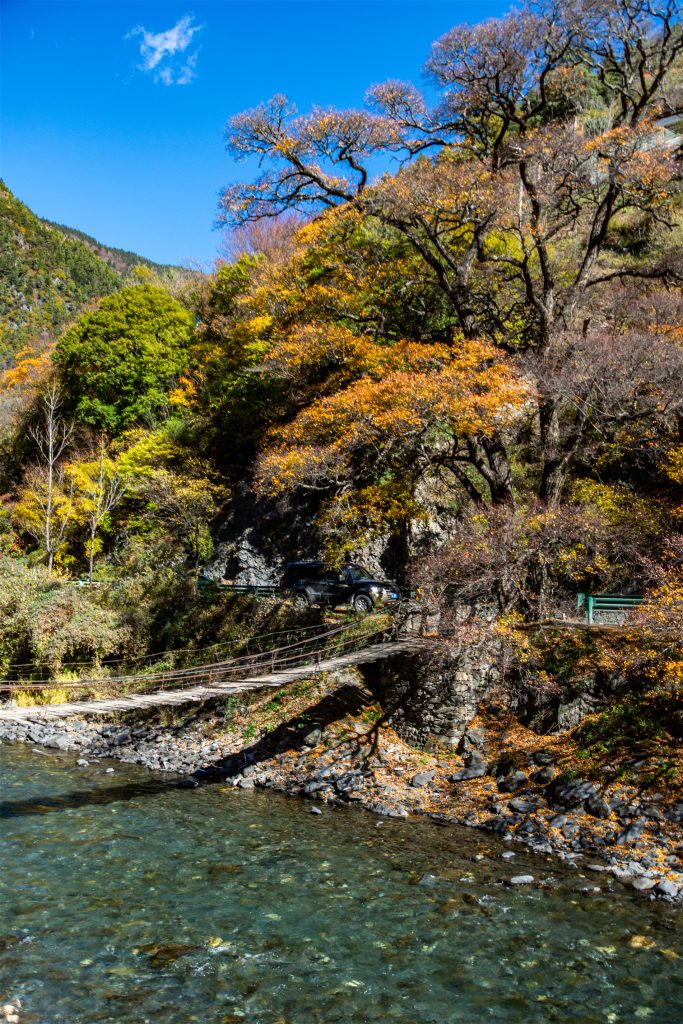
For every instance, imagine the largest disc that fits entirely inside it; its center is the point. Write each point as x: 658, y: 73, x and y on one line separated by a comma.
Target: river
x: 126, y: 899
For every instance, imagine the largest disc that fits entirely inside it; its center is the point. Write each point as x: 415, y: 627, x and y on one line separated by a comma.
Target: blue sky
x: 112, y: 114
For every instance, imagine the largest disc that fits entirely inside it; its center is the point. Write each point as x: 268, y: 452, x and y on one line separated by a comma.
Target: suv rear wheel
x: 301, y: 599
x: 362, y: 603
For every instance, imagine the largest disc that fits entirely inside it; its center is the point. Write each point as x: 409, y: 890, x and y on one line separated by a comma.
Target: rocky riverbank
x: 328, y: 741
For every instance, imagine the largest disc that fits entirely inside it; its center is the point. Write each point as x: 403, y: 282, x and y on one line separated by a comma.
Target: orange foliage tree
x: 544, y: 139
x: 397, y: 415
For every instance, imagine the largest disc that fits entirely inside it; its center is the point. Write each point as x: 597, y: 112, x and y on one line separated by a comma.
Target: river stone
x: 675, y: 813
x: 513, y: 781
x: 120, y: 737
x: 630, y: 832
x: 495, y: 824
x: 60, y: 742
x: 521, y: 880
x: 642, y: 884
x: 422, y: 779
x: 349, y: 782
x: 314, y: 810
x: 667, y: 888
x: 597, y: 807
x: 389, y: 810
x: 523, y: 806
x: 311, y: 735
x: 570, y: 792
x: 542, y: 757
x: 526, y: 828
x: 471, y: 738
x: 476, y: 771
x: 623, y: 809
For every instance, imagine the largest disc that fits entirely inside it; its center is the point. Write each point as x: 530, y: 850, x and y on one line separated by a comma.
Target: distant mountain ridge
x: 120, y: 260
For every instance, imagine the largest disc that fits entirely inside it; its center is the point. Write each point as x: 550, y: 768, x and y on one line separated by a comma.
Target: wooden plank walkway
x: 42, y: 713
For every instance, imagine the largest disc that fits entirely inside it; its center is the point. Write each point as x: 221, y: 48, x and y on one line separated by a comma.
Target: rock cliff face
x: 258, y: 538
x: 431, y: 696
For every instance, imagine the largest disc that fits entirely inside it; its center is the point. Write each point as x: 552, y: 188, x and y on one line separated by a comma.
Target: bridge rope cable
x: 288, y: 666
x: 243, y: 642
x: 274, y: 659
x: 107, y: 662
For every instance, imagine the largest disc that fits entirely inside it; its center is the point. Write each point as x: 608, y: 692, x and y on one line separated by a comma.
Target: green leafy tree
x: 117, y: 364
x: 170, y: 496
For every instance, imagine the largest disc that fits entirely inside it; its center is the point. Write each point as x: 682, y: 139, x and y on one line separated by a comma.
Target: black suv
x: 318, y: 583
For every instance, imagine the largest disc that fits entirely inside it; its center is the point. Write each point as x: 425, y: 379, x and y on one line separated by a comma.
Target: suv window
x: 303, y: 572
x: 358, y: 573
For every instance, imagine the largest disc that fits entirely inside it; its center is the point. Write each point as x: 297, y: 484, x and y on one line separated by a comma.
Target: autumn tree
x: 170, y: 494
x: 184, y: 503
x: 45, y: 505
x: 407, y: 411
x: 507, y: 195
x: 532, y: 559
x: 99, y: 489
x: 656, y: 627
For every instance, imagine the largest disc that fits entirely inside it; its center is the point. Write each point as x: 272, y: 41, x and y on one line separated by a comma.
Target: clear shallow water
x: 125, y: 900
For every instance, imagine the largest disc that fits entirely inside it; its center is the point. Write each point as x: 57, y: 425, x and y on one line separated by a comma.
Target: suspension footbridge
x: 313, y: 650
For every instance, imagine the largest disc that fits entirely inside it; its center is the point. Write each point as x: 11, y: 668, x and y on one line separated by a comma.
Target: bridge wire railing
x: 237, y: 644
x: 302, y: 653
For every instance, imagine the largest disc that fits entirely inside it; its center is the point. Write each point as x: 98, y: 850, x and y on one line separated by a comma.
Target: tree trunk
x: 499, y: 477
x: 91, y: 557
x: 552, y: 481
x: 554, y: 460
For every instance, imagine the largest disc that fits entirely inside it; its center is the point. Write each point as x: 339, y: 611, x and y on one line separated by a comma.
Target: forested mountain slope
x: 45, y: 278
x: 121, y: 260
x: 48, y: 273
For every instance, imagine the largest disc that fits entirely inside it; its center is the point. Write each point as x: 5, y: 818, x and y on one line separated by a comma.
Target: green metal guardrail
x: 606, y: 602
x: 205, y: 582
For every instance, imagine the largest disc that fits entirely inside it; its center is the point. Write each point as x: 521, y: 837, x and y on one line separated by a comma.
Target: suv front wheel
x: 362, y: 603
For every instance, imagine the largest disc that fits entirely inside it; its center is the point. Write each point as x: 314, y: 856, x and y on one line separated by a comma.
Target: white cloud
x: 162, y: 52
x: 187, y: 71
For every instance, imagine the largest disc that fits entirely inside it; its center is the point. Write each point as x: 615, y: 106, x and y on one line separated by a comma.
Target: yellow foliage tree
x: 657, y: 626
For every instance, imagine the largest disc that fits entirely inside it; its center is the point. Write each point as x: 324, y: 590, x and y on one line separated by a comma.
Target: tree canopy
x: 118, y: 363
